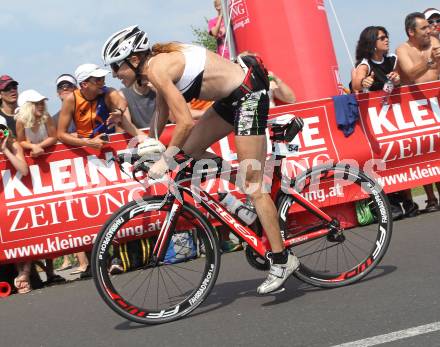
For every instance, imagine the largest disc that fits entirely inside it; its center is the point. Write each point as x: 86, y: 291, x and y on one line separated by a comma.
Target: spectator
x: 89, y: 107
x: 198, y: 107
x: 278, y: 90
x: 35, y: 127
x: 374, y: 64
x: 12, y: 150
x: 419, y: 61
x: 216, y: 28
x: 35, y: 132
x: 9, y: 95
x: 66, y: 84
x: 419, y: 56
x: 432, y: 15
x: 141, y: 100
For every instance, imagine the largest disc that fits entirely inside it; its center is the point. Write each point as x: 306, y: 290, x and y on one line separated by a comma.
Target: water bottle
x: 244, y: 211
x: 388, y: 86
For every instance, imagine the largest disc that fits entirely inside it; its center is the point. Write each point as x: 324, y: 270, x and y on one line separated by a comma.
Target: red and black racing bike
x: 317, y: 219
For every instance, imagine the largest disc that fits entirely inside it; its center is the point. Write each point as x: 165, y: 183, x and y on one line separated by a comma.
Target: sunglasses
x: 434, y: 21
x: 95, y: 80
x: 382, y: 38
x: 10, y: 87
x: 116, y: 66
x: 64, y: 86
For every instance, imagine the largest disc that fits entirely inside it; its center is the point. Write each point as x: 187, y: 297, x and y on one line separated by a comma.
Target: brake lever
x: 117, y: 162
x: 140, y: 166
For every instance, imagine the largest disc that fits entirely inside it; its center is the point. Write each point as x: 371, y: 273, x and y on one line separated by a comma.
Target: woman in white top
x: 35, y: 128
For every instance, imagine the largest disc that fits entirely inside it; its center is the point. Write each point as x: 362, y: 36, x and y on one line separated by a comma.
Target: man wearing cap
x: 95, y: 109
x: 432, y: 15
x: 66, y: 84
x: 8, y: 95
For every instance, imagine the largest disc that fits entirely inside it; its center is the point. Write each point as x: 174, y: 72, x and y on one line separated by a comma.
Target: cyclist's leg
x: 252, y: 149
x: 208, y: 130
x: 249, y: 149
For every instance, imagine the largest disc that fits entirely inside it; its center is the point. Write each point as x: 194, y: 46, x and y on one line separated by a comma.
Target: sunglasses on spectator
x: 434, y: 21
x: 95, y: 80
x: 10, y: 87
x: 116, y: 66
x: 64, y: 86
x: 382, y: 38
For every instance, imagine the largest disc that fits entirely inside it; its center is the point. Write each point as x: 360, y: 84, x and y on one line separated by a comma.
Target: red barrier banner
x: 70, y: 192
x: 403, y: 131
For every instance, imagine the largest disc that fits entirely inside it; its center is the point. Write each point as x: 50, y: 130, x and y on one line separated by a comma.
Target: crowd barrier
x: 70, y: 192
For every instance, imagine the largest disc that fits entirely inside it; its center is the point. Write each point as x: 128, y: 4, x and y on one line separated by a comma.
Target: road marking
x: 397, y: 335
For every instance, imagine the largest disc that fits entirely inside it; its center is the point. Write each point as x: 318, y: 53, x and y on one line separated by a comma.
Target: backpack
x: 182, y: 247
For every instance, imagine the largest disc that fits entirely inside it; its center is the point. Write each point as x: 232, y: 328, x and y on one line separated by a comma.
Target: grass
x: 59, y: 261
x: 418, y: 191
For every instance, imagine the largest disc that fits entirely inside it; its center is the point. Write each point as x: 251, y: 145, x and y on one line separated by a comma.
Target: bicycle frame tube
x: 223, y: 215
x: 309, y: 206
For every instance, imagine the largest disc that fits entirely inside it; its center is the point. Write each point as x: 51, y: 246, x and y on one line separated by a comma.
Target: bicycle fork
x: 162, y: 242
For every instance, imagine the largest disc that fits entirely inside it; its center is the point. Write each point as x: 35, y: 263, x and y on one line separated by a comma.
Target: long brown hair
x: 166, y: 48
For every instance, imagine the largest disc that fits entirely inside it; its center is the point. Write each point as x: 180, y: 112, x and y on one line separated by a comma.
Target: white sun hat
x: 29, y: 95
x: 85, y: 71
x: 430, y: 12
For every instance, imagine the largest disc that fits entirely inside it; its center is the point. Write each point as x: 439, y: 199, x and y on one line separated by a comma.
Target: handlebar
x: 143, y: 163
x: 139, y: 163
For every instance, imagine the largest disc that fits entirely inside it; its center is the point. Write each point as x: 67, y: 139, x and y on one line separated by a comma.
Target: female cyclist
x: 181, y: 72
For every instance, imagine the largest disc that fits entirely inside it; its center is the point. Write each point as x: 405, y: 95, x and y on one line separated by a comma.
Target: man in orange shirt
x: 95, y: 109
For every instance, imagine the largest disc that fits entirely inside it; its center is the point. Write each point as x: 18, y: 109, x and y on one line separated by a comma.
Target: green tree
x: 203, y: 38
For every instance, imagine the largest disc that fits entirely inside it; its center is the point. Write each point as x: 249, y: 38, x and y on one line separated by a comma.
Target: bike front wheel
x: 156, y: 292
x: 358, y: 206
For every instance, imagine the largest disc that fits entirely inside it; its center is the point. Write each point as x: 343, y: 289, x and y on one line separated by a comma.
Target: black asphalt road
x: 403, y: 292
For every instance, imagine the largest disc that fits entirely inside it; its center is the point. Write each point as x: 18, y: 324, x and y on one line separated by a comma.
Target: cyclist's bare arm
x: 160, y: 118
x: 120, y: 115
x: 163, y: 70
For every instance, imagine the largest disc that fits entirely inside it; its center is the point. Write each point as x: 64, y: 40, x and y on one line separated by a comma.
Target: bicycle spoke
x: 355, y: 245
x: 182, y: 277
x: 174, y: 282
x: 320, y: 250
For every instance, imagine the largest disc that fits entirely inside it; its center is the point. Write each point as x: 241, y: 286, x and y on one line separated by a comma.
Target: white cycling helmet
x: 123, y: 43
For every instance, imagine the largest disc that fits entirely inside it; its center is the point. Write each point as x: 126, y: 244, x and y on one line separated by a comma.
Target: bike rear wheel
x: 337, y: 260
x: 157, y: 292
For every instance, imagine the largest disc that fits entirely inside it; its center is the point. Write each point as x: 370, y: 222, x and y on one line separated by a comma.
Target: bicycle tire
x: 325, y: 262
x: 155, y: 294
